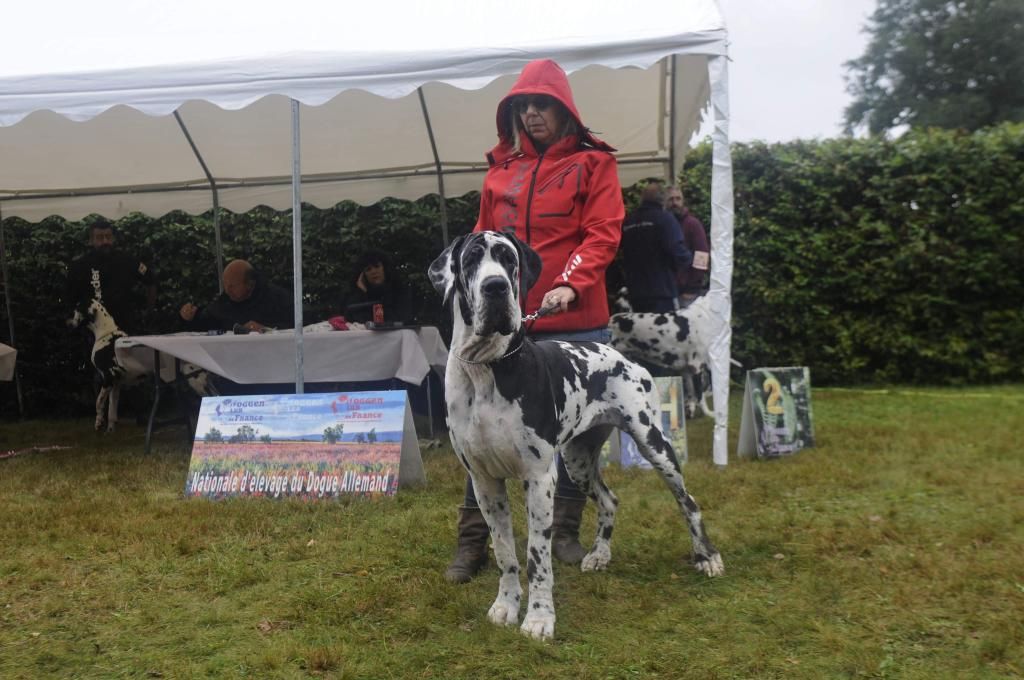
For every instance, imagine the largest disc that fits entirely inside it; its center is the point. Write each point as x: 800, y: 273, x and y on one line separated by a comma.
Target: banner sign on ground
x: 620, y: 447
x: 312, y: 446
x: 777, y: 419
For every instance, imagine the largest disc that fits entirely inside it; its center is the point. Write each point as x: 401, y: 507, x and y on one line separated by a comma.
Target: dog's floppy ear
x: 443, y: 271
x: 529, y: 264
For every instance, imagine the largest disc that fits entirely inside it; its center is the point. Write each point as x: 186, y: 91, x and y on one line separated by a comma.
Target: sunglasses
x: 540, y: 102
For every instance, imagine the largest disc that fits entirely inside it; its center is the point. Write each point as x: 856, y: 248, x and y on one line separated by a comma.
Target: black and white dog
x: 105, y: 333
x: 677, y: 341
x: 512, y: 404
x: 113, y: 375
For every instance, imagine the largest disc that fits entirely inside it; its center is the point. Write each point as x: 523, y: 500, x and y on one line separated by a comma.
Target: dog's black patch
x: 682, y: 327
x: 534, y: 380
x: 625, y: 323
x: 658, y: 442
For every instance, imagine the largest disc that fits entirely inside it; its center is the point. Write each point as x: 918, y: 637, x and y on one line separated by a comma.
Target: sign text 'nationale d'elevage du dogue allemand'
x: 313, y: 446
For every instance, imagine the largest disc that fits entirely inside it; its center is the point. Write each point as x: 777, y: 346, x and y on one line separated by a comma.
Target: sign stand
x: 410, y: 464
x: 777, y: 419
x: 316, y: 446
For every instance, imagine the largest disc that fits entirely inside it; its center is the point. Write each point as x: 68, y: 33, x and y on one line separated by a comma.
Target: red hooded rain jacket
x: 565, y: 202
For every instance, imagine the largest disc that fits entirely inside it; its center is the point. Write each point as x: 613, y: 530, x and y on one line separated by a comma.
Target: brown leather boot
x: 565, y: 539
x: 471, y: 555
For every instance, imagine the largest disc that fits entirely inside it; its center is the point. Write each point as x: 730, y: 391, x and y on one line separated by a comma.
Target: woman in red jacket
x: 556, y: 187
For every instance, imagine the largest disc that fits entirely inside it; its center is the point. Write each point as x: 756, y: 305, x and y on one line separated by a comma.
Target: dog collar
x: 106, y: 336
x: 506, y: 355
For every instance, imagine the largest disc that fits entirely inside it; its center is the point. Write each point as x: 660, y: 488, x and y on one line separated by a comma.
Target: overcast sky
x: 786, y: 75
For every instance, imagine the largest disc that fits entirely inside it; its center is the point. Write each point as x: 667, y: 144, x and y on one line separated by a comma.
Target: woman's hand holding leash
x: 557, y: 300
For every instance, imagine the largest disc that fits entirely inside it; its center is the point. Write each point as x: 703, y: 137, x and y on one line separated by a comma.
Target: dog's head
x: 620, y: 303
x: 92, y: 314
x: 84, y: 313
x: 485, y: 275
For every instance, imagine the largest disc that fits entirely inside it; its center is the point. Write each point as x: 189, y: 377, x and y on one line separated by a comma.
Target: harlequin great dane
x: 513, y: 403
x: 113, y: 375
x: 105, y: 333
x: 677, y: 341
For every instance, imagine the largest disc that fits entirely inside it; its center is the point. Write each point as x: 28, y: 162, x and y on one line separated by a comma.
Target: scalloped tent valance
x: 94, y: 132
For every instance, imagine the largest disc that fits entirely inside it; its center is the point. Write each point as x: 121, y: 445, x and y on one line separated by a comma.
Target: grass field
x: 893, y: 550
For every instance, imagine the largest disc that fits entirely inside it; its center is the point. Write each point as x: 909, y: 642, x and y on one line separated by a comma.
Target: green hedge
x: 868, y: 260
x: 879, y: 261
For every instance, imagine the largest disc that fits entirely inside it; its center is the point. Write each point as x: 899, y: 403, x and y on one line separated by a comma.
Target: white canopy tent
x: 122, y: 106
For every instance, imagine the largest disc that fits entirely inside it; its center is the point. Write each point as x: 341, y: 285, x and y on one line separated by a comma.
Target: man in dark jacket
x: 110, y: 276
x: 247, y: 301
x: 653, y: 252
x: 692, y: 280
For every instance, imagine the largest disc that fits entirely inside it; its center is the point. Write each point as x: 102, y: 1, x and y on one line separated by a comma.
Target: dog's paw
x: 540, y: 625
x: 504, y: 612
x: 597, y: 559
x: 710, y: 565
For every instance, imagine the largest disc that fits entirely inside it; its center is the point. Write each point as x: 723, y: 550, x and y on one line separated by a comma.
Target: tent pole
x: 720, y: 295
x: 673, y: 175
x: 10, y: 317
x: 216, y: 202
x: 297, y: 244
x: 437, y: 164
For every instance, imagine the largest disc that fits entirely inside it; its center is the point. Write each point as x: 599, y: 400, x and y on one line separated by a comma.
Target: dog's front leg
x: 704, y: 379
x: 690, y: 393
x: 493, y: 501
x: 102, y: 400
x: 539, y: 621
x: 112, y: 405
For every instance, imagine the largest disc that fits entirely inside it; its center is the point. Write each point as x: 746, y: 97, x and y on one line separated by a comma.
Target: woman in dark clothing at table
x: 378, y: 282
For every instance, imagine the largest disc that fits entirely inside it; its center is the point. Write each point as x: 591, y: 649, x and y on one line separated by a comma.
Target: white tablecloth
x: 335, y: 356
x: 7, y: 357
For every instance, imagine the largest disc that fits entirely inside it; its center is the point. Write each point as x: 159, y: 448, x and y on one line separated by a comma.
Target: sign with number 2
x: 777, y: 419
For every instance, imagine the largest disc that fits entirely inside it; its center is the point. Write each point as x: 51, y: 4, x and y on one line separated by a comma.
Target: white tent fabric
x: 356, y: 145
x: 88, y: 96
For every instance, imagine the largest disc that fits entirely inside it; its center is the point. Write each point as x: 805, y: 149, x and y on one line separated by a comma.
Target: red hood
x: 542, y: 76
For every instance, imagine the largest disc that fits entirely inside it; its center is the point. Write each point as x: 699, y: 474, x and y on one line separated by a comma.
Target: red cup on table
x: 378, y: 313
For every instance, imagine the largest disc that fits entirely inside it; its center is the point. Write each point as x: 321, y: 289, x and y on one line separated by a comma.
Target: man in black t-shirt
x: 109, y: 275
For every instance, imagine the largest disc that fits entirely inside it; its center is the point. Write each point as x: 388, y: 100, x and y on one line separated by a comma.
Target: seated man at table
x: 248, y: 301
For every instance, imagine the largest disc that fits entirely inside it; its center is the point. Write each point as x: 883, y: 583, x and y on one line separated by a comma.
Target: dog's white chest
x: 489, y: 432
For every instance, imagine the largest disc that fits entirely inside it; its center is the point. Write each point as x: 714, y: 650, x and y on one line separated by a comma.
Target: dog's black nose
x: 495, y: 286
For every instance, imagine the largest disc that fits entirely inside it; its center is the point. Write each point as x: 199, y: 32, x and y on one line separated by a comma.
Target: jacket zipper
x: 559, y: 178
x: 529, y: 196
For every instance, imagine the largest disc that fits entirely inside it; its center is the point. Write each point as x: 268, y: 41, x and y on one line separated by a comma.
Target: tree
x: 371, y: 436
x: 214, y: 435
x: 245, y: 433
x: 332, y: 435
x: 267, y: 439
x: 942, y: 63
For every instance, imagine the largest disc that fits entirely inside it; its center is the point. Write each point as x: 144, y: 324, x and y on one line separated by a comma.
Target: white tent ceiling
x: 103, y: 140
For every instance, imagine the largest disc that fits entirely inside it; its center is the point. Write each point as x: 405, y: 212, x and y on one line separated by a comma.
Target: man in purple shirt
x: 693, y: 279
